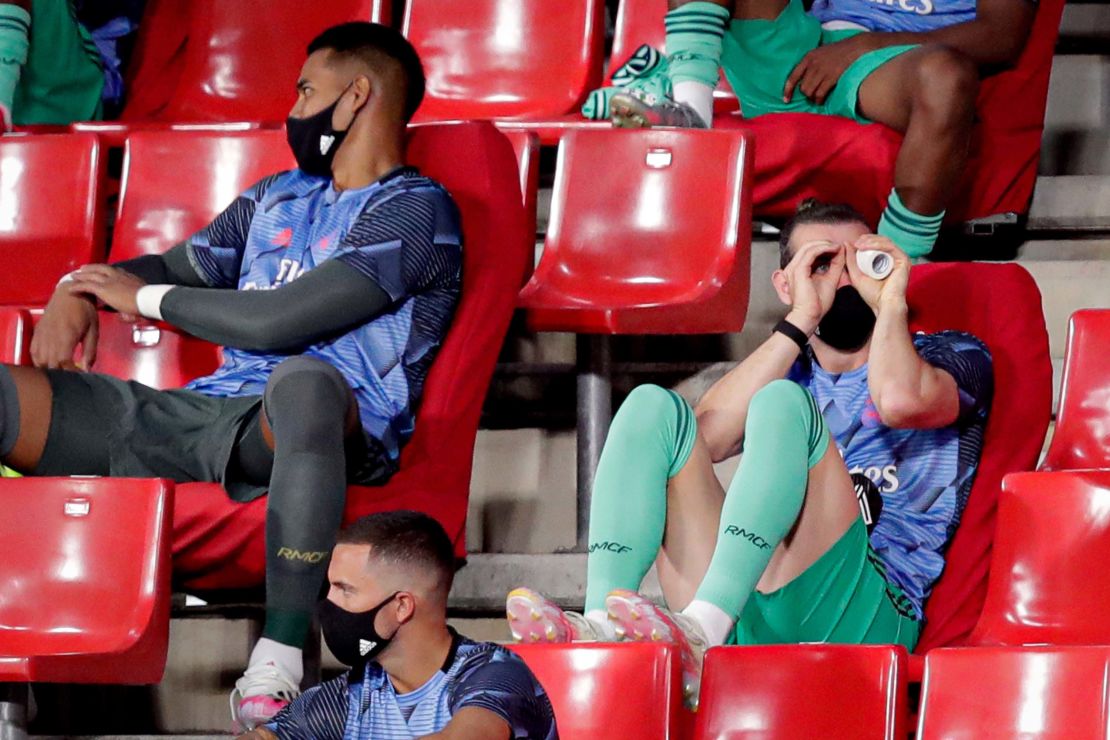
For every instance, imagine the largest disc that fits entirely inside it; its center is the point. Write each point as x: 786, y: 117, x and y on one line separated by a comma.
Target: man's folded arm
x: 324, y: 302
x: 173, y: 267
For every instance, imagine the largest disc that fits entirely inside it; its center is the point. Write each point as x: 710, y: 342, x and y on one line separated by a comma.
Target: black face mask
x: 313, y: 140
x: 849, y: 323
x: 351, y: 636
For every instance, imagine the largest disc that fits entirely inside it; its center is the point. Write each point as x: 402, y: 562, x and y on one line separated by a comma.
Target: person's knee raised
x: 647, y: 408
x: 775, y: 401
x: 310, y: 388
x: 947, y: 85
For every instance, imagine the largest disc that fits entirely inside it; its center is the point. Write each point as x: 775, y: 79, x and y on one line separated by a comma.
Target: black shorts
x: 101, y: 425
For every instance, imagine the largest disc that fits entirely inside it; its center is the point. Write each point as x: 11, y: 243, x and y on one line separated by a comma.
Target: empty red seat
x: 86, y: 596
x: 238, y: 63
x: 968, y: 297
x: 661, y: 249
x: 175, y: 182
x: 51, y: 212
x: 1047, y: 582
x: 1082, y: 435
x: 802, y: 691
x: 802, y: 155
x: 1044, y: 693
x: 610, y: 690
x: 514, y: 59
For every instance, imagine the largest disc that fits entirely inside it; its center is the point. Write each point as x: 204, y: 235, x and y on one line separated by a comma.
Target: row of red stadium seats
x: 535, y: 81
x: 773, y: 691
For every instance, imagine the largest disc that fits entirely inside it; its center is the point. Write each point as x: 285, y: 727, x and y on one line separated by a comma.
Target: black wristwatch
x: 785, y: 328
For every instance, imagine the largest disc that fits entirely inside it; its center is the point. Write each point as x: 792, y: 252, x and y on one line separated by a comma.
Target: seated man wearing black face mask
x: 331, y: 288
x: 840, y: 397
x: 411, y: 675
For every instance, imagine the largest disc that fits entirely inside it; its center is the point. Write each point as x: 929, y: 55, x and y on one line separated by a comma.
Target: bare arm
x: 908, y: 392
x: 996, y: 36
x: 723, y: 410
x: 473, y: 723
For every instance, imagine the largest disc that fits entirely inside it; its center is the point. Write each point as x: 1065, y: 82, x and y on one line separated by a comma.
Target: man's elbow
x: 901, y: 410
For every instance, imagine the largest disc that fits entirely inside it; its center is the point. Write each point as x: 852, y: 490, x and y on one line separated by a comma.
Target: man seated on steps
x: 841, y: 387
x: 331, y: 288
x: 913, y: 65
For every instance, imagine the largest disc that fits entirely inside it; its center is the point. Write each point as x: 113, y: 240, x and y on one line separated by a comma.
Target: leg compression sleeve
x: 9, y: 412
x: 15, y: 33
x: 306, y: 401
x: 650, y: 440
x: 694, y: 39
x: 913, y: 233
x: 784, y: 437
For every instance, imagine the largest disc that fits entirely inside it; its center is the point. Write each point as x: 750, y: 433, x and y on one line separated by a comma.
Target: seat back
x: 51, y: 214
x: 527, y: 148
x: 666, y: 231
x: 641, y: 22
x: 1044, y: 585
x: 86, y: 570
x: 1047, y: 693
x: 609, y: 690
x: 506, y: 58
x: 1000, y: 304
x: 1082, y: 435
x: 176, y: 182
x: 241, y: 61
x: 795, y: 691
x: 15, y: 336
x: 154, y: 69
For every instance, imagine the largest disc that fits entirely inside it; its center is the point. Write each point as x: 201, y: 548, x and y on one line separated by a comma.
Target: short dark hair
x: 407, y: 538
x: 813, y: 211
x: 366, y: 42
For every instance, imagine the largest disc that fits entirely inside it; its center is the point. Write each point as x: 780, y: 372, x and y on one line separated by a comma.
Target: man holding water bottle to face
x: 840, y: 403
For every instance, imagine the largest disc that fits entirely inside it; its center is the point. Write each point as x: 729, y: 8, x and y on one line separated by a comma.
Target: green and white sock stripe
x: 913, y: 233
x: 695, y: 36
x: 645, y: 61
x: 15, y: 32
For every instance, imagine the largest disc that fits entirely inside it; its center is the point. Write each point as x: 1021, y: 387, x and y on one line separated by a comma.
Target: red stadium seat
x: 801, y: 155
x: 802, y: 691
x: 610, y: 690
x: 1082, y: 436
x: 663, y: 249
x: 527, y: 148
x: 1045, y: 693
x: 237, y: 64
x: 15, y: 336
x: 506, y: 59
x: 967, y: 296
x: 86, y: 595
x: 174, y: 182
x: 152, y: 353
x: 1047, y: 585
x: 51, y: 213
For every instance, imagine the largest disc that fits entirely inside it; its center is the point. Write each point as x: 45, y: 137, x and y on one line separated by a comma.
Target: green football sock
x: 784, y: 436
x: 15, y: 30
x: 649, y: 441
x: 913, y: 233
x: 695, y: 35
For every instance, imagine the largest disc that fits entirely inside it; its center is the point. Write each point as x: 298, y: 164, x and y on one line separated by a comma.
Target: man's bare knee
x: 946, y: 86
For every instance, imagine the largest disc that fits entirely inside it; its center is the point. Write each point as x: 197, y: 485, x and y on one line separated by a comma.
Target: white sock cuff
x: 714, y: 620
x: 698, y: 96
x: 290, y: 659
